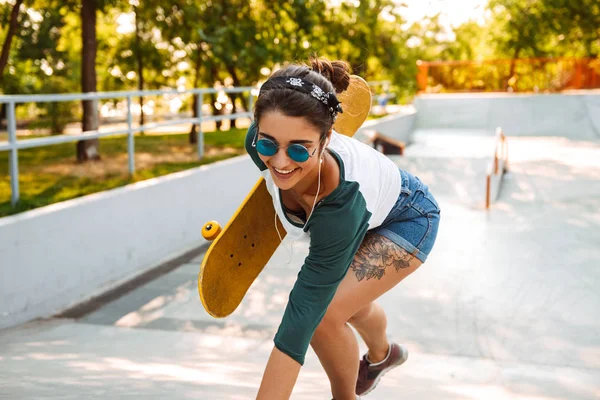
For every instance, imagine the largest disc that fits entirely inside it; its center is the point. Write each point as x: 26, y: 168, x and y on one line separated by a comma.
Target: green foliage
x: 531, y: 28
x: 198, y: 43
x: 186, y: 43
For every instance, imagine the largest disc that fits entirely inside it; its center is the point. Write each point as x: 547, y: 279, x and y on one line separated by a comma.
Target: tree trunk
x: 12, y: 30
x: 233, y: 121
x: 3, y: 121
x: 236, y: 83
x: 213, y: 97
x: 88, y: 149
x: 589, y: 46
x: 193, y: 136
x: 140, y: 65
x: 512, y: 69
x: 216, y: 111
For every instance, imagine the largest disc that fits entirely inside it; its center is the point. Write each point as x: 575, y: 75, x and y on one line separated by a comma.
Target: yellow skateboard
x: 243, y: 247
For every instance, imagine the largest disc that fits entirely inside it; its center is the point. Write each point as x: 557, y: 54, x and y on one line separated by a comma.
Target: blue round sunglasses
x: 295, y: 151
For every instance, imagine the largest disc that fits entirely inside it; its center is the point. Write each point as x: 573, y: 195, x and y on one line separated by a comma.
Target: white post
x: 130, y: 138
x: 251, y: 103
x: 200, y: 136
x: 13, y: 158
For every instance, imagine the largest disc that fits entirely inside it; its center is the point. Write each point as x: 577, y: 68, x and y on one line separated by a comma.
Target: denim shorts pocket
x: 425, y: 203
x: 403, y: 201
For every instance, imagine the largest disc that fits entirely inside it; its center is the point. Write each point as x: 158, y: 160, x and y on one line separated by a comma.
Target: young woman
x: 370, y: 226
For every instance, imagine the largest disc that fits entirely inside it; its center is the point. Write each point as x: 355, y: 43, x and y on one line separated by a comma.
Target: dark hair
x: 331, y: 76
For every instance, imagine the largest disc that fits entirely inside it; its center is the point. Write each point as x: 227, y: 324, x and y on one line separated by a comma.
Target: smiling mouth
x: 284, y: 173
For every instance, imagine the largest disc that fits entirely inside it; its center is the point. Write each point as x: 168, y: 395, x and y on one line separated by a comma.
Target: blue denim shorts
x: 413, y: 221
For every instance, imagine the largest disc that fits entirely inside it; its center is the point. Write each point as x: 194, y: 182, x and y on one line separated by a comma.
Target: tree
x: 534, y: 28
x: 41, y: 63
x: 88, y: 149
x: 13, y: 26
x: 139, y: 55
x: 577, y: 25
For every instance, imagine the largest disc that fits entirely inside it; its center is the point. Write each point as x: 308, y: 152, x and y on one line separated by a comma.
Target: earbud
x: 324, y: 147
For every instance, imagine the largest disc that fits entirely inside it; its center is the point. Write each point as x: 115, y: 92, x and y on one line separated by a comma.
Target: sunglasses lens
x: 266, y: 147
x: 298, y: 153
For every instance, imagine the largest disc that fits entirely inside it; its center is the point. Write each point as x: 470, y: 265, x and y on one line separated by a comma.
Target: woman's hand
x: 279, y: 377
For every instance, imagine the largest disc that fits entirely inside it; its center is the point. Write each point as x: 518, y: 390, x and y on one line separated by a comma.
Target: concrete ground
x: 506, y: 307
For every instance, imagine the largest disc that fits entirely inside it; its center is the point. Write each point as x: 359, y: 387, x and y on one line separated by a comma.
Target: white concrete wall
x: 576, y: 116
x: 56, y: 256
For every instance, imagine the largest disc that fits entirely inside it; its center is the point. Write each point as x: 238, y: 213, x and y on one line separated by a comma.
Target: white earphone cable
x: 309, y: 215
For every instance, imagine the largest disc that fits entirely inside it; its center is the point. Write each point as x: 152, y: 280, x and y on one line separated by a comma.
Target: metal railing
x: 497, y: 168
x: 14, y: 145
x: 542, y: 74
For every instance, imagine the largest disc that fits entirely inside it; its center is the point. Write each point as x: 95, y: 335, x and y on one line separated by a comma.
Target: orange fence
x: 497, y: 168
x: 510, y: 75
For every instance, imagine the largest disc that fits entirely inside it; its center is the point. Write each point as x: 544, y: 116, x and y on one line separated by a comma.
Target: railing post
x: 488, y: 190
x: 13, y: 158
x: 498, y: 149
x: 200, y: 134
x: 422, y: 76
x: 505, y: 143
x: 130, y: 138
x: 250, y: 103
x: 496, y: 161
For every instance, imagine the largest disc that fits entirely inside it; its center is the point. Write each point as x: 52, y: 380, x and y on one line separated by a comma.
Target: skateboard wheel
x: 211, y: 230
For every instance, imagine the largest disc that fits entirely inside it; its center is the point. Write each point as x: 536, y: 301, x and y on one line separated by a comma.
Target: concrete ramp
x: 575, y: 116
x: 452, y: 162
x: 592, y: 104
x: 506, y: 306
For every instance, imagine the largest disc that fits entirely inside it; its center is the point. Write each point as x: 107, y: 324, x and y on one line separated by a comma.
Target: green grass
x: 372, y: 116
x: 51, y: 174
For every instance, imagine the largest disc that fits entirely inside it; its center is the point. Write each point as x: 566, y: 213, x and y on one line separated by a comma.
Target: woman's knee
x: 333, y: 320
x: 361, y: 314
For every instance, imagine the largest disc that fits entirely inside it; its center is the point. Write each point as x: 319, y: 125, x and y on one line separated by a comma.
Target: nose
x: 280, y: 159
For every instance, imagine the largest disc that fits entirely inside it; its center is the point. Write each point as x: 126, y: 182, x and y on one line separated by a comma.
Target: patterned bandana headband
x: 304, y: 86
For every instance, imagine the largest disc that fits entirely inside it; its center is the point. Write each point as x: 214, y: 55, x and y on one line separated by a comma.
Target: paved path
x: 507, y: 306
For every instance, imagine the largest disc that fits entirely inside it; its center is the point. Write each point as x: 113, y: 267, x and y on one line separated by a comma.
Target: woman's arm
x: 336, y: 231
x: 279, y: 377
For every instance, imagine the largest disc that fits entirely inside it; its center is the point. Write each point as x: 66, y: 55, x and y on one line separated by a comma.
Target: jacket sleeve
x: 336, y: 231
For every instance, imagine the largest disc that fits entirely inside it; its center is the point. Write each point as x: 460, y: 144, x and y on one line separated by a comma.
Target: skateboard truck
x: 211, y: 230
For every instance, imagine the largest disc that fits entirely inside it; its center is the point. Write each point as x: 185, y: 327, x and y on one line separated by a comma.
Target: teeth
x: 284, y: 172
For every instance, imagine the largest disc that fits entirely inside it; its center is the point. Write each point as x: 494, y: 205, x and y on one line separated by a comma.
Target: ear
x: 328, y: 137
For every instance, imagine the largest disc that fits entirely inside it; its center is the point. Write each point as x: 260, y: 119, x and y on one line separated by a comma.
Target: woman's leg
x: 378, y: 266
x: 371, y: 324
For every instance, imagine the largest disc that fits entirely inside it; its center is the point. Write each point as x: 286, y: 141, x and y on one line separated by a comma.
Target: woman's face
x: 285, y: 131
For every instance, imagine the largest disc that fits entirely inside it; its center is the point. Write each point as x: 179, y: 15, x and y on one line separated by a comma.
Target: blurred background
x: 494, y: 104
x: 400, y: 47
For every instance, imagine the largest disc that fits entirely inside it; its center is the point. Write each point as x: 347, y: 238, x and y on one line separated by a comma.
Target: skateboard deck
x: 242, y: 248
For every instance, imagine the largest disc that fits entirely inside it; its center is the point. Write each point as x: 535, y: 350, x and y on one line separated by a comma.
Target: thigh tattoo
x: 375, y: 254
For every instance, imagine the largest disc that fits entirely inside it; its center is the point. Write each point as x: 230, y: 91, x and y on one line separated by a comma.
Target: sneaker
x: 370, y: 374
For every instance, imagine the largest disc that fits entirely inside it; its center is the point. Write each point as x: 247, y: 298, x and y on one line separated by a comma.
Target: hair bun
x: 337, y: 72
